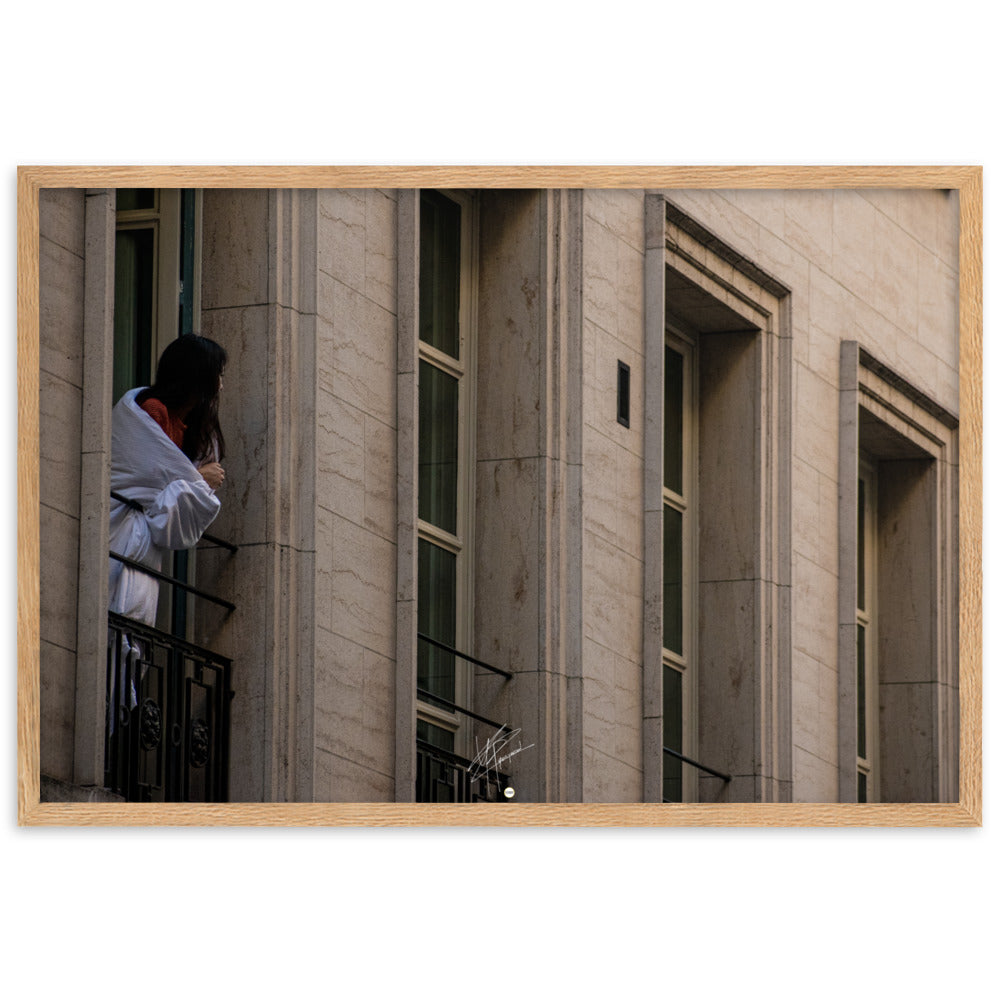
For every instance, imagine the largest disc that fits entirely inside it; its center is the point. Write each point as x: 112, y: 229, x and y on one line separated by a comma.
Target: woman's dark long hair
x: 188, y: 374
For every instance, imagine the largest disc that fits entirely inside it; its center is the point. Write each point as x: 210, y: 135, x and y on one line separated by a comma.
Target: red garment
x: 172, y: 426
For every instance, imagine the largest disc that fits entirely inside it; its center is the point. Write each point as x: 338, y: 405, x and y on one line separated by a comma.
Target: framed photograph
x: 541, y: 496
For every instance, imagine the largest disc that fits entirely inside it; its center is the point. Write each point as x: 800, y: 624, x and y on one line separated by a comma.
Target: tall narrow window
x: 679, y: 561
x: 867, y: 683
x: 717, y: 635
x: 445, y: 441
x: 898, y: 590
x: 157, y: 261
x: 157, y: 297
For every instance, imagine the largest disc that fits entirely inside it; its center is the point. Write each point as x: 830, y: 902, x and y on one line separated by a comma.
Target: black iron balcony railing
x: 463, y: 656
x: 445, y: 776
x: 674, y: 781
x: 167, y: 733
x: 168, y: 704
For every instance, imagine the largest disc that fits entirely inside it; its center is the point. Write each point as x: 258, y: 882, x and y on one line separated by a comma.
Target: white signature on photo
x: 489, y: 758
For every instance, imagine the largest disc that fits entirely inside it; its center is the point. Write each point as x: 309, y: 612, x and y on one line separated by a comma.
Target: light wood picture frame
x: 966, y: 812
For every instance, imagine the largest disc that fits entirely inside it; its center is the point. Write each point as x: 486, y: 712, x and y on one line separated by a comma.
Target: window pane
x: 862, y: 787
x: 133, y: 325
x: 673, y: 421
x: 861, y: 544
x: 130, y: 199
x: 862, y: 696
x: 438, y: 487
x: 436, y: 594
x: 440, y: 271
x: 672, y: 575
x: 673, y: 734
x: 435, y: 735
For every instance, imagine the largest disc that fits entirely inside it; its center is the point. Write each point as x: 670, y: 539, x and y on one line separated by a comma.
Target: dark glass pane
x: 435, y: 735
x: 130, y: 199
x: 186, y: 320
x: 862, y: 696
x: 438, y: 487
x: 861, y: 544
x: 673, y: 421
x: 133, y: 309
x: 673, y: 734
x: 440, y: 271
x: 673, y: 600
x: 862, y: 787
x: 436, y: 594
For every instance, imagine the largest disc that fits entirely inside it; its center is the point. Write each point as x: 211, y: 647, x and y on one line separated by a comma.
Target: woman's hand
x: 213, y: 474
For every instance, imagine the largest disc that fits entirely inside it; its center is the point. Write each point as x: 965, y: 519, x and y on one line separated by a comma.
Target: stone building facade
x: 681, y: 466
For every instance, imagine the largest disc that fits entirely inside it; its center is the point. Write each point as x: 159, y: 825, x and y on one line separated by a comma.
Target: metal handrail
x: 425, y: 695
x: 453, y: 758
x: 185, y: 646
x: 464, y: 656
x: 132, y: 564
x: 135, y: 505
x: 701, y: 767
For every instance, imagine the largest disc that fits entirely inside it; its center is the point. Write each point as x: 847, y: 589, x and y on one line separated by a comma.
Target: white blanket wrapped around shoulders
x: 178, y: 505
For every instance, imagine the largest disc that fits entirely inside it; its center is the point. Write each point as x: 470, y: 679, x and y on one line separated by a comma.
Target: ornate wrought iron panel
x: 446, y: 777
x: 167, y: 733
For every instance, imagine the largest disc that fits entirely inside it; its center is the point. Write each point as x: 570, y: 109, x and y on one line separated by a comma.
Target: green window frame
x: 445, y: 493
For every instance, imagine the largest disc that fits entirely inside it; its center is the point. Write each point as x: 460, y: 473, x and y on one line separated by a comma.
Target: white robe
x: 178, y: 505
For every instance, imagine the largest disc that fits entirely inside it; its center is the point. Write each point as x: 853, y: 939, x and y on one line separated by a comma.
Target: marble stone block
x: 507, y: 564
x: 59, y: 405
x: 60, y: 307
x: 363, y: 359
x: 59, y: 544
x: 380, y: 249
x: 340, y: 458
x: 612, y: 597
x: 618, y: 211
x: 363, y: 574
x: 608, y: 780
x: 816, y: 422
x: 341, y: 239
x: 814, y: 610
x: 814, y: 779
x: 380, y: 478
x: 894, y: 291
x: 853, y: 244
x: 57, y: 704
x: 809, y: 224
x: 341, y: 780
x: 235, y: 227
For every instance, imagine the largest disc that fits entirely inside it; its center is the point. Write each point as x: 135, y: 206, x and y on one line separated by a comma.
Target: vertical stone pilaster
x: 652, y: 649
x: 259, y: 302
x: 95, y: 486
x: 559, y: 761
x: 571, y: 365
x: 407, y: 339
x: 847, y: 609
x: 528, y: 555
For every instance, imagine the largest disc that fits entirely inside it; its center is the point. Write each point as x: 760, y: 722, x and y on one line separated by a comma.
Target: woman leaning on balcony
x: 166, y: 450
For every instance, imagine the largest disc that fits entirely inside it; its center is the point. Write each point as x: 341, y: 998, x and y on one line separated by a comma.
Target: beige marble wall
x: 355, y: 496
x: 301, y: 289
x: 61, y: 312
x: 612, y: 505
x: 526, y: 591
x: 879, y: 267
x: 259, y: 294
